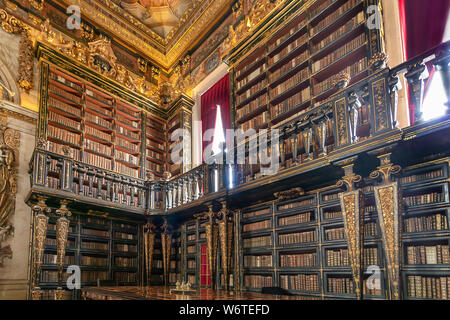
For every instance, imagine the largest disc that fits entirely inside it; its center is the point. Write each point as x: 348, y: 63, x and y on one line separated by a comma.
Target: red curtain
x: 218, y: 94
x: 205, y: 276
x: 423, y: 25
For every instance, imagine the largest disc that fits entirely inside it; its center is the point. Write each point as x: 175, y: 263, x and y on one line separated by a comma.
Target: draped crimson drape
x: 423, y: 25
x: 218, y: 94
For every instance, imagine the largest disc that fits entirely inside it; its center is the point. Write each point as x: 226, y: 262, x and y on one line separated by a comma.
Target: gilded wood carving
x: 166, y: 241
x: 352, y: 204
x: 387, y: 195
x: 149, y: 243
x: 211, y: 244
x: 40, y: 217
x: 26, y: 57
x: 9, y: 144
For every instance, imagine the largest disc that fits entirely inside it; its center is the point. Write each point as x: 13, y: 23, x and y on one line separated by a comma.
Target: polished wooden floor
x: 163, y: 293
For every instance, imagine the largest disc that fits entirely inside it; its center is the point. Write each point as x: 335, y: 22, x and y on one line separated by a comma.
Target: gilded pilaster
x: 211, y: 243
x: 62, y: 230
x: 149, y: 243
x: 352, y: 206
x: 226, y: 238
x: 39, y: 234
x: 166, y: 241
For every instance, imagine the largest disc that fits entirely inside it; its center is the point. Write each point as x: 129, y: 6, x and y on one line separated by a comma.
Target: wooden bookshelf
x: 107, y: 132
x: 426, y: 233
x: 105, y: 249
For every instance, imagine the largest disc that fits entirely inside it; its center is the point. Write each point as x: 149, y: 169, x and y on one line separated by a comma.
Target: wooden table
x: 162, y: 293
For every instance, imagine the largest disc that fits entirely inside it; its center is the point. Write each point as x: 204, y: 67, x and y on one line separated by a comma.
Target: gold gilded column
x: 40, y: 223
x: 352, y: 206
x: 387, y: 198
x: 166, y: 241
x: 211, y: 243
x: 226, y: 238
x: 149, y: 244
x: 237, y: 252
x: 62, y: 230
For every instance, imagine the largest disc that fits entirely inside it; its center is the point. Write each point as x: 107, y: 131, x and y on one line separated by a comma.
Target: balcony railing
x: 65, y: 177
x: 364, y: 111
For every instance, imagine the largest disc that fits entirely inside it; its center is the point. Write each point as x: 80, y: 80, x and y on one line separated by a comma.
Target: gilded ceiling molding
x: 91, y: 11
x: 166, y: 56
x: 9, y: 155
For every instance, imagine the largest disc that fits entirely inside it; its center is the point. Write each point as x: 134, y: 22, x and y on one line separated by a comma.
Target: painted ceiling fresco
x: 162, y: 16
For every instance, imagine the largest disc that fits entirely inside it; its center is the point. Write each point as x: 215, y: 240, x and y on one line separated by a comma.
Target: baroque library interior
x: 224, y: 149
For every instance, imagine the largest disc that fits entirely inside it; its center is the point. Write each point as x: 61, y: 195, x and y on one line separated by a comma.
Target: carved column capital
x: 386, y: 170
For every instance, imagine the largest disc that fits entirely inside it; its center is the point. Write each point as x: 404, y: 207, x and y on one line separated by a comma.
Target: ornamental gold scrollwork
x: 211, y: 243
x: 62, y: 230
x: 387, y: 202
x: 352, y: 204
x: 149, y: 243
x: 289, y: 194
x: 97, y: 55
x: 11, y: 24
x: 9, y: 144
x: 387, y: 195
x: 259, y: 11
x: 26, y: 61
x: 350, y: 179
x: 386, y: 169
x: 166, y: 241
x: 226, y: 239
x: 37, y: 4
